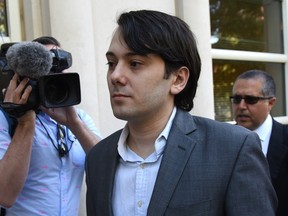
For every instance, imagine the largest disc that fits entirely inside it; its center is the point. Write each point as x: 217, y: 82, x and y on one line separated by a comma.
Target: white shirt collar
x: 264, y: 133
x: 160, y: 142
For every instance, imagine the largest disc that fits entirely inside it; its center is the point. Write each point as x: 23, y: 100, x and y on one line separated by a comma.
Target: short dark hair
x: 46, y: 40
x: 153, y: 32
x: 268, y: 88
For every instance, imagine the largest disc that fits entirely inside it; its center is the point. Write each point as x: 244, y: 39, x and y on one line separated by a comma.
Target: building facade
x: 232, y: 36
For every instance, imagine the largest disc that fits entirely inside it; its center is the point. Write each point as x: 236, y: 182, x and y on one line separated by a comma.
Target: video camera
x: 52, y: 90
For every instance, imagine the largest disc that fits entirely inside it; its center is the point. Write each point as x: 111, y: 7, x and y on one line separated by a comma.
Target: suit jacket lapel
x: 107, y: 173
x: 178, y: 150
x: 277, y: 149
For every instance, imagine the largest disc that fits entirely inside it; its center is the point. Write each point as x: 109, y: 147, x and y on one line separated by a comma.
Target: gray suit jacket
x: 208, y: 168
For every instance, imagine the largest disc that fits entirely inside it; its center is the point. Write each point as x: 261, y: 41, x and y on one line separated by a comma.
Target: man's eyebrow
x: 110, y: 53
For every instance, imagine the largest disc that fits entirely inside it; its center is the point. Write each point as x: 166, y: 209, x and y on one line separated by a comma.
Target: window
x: 246, y: 34
x: 3, y: 19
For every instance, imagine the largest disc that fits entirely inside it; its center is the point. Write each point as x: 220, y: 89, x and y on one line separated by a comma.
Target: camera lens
x: 56, y: 91
x: 59, y: 90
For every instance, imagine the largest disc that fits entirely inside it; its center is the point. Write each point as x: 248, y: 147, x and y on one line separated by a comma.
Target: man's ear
x: 272, y: 102
x: 180, y: 79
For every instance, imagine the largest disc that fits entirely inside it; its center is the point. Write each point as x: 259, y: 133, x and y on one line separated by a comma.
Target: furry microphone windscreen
x: 29, y: 59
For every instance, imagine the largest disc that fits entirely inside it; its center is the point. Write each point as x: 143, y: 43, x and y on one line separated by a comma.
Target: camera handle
x: 15, y: 110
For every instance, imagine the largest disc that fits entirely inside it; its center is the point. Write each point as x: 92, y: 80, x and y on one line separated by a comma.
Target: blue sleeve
x: 89, y: 122
x: 5, y: 138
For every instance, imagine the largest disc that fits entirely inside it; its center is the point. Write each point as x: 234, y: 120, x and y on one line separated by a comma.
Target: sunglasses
x: 236, y: 99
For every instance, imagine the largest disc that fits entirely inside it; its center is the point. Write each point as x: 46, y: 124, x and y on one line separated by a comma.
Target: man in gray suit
x: 165, y: 161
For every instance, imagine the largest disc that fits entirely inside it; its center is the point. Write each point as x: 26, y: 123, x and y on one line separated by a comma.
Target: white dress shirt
x: 135, y: 177
x: 264, y: 133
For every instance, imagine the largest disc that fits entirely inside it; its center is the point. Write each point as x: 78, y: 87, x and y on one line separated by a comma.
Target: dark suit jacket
x: 208, y: 168
x: 277, y: 157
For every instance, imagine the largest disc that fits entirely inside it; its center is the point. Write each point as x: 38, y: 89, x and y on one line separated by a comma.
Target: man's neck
x: 142, y: 137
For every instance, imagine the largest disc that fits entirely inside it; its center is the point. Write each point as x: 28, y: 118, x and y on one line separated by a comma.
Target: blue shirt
x: 53, y: 183
x: 135, y: 177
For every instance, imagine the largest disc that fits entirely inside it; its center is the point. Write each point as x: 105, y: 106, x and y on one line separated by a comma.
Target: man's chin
x: 244, y: 121
x: 120, y: 115
x: 246, y: 124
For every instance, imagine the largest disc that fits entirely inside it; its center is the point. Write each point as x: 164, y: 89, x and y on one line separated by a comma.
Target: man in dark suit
x: 257, y: 89
x: 165, y: 161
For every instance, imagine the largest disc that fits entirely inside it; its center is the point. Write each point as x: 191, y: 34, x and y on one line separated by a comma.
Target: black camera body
x: 53, y: 90
x: 61, y: 60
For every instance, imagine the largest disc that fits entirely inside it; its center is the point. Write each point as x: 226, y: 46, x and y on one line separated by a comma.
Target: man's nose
x: 242, y: 104
x: 118, y: 75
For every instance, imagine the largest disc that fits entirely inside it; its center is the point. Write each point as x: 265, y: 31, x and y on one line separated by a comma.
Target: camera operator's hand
x: 64, y: 115
x: 16, y: 97
x: 16, y: 92
x: 68, y: 116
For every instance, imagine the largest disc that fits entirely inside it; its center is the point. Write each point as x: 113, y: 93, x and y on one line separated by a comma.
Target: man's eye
x: 110, y: 64
x: 135, y: 64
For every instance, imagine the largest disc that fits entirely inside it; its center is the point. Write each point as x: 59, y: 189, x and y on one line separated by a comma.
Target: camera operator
x: 43, y: 162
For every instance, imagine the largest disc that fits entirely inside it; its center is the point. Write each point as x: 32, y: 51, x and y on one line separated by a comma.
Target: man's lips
x: 119, y: 96
x: 242, y: 117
